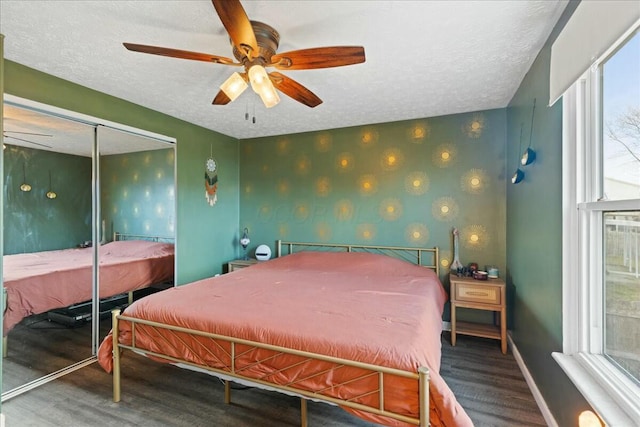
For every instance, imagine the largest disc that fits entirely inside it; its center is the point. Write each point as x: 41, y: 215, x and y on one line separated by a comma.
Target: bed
x: 38, y: 282
x: 349, y: 325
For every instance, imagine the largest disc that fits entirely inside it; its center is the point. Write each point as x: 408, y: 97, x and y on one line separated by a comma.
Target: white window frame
x: 614, y: 396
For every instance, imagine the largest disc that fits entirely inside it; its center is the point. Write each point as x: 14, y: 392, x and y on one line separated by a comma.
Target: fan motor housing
x: 268, y: 41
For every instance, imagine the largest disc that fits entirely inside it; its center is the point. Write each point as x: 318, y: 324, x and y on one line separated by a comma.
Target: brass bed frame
x: 230, y: 371
x: 117, y: 236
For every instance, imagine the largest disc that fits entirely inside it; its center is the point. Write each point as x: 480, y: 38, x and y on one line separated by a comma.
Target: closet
x: 71, y: 181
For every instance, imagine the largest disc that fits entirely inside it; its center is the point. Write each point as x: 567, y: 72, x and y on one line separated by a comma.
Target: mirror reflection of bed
x: 54, y: 232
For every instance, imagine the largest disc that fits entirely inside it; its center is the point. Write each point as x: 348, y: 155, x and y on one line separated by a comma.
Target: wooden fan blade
x: 294, y: 90
x: 221, y: 99
x: 26, y: 133
x: 176, y: 53
x: 319, y: 57
x: 27, y: 141
x: 237, y: 24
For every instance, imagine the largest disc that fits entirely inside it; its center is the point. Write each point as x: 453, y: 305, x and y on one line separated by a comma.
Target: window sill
x: 613, y: 396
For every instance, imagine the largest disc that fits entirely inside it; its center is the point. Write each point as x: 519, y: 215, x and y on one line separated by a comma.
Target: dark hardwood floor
x: 487, y: 384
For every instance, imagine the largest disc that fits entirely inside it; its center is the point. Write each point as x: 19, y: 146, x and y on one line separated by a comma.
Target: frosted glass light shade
x: 234, y: 86
x: 261, y: 85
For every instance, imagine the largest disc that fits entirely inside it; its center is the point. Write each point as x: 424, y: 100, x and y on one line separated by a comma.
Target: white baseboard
x: 542, y: 404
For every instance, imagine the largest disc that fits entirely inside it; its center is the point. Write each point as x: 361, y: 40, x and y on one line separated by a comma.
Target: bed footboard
x: 230, y: 369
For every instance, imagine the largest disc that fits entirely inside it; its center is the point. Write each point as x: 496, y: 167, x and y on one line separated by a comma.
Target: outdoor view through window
x: 621, y: 181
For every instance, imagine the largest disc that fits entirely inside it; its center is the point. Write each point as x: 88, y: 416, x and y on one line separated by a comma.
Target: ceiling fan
x: 254, y: 47
x: 6, y: 132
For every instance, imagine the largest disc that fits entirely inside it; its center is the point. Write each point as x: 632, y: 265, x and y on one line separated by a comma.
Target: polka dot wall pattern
x: 445, y: 155
x: 416, y: 183
x: 445, y: 209
x: 402, y: 183
x: 419, y: 132
x: 367, y: 184
x: 138, y: 192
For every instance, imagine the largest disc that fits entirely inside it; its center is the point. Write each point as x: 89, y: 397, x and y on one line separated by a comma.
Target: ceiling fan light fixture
x: 261, y: 84
x: 234, y: 86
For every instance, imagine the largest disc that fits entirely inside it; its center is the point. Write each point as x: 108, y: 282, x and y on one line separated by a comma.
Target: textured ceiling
x: 34, y: 129
x: 423, y: 58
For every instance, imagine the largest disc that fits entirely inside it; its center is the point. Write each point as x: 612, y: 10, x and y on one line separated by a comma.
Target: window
x: 601, y: 233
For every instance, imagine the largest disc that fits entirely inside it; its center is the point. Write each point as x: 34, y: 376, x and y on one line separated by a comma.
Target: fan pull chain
x: 246, y: 114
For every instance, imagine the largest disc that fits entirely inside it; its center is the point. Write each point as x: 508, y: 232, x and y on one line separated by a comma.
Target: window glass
x: 622, y: 290
x: 621, y: 122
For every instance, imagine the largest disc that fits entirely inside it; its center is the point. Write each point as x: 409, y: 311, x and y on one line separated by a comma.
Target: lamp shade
x: 234, y: 86
x: 261, y: 85
x: 244, y: 240
x: 24, y: 187
x: 517, y: 177
x: 528, y: 157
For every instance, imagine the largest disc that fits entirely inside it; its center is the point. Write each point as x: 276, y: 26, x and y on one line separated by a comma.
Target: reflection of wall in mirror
x: 33, y: 222
x: 138, y: 193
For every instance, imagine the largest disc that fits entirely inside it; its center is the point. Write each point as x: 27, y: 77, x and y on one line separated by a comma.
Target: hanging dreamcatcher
x: 211, y: 180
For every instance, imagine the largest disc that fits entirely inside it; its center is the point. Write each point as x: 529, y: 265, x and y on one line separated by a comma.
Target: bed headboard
x: 117, y: 236
x: 426, y: 257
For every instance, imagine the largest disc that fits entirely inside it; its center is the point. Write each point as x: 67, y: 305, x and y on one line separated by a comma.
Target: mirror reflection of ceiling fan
x: 254, y: 47
x: 8, y: 134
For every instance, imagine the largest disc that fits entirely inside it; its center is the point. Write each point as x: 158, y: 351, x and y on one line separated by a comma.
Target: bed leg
x: 116, y: 356
x: 423, y: 374
x: 5, y: 349
x: 303, y: 412
x: 130, y: 300
x: 227, y: 392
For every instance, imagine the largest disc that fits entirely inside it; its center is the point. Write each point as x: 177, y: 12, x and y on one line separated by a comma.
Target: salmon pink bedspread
x: 358, y: 306
x: 42, y: 281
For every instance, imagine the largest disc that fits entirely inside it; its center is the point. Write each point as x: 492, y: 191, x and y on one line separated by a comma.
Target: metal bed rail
x: 426, y: 257
x: 231, y: 356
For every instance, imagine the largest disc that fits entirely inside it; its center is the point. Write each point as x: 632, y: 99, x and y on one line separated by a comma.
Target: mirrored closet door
x: 73, y: 187
x: 47, y: 219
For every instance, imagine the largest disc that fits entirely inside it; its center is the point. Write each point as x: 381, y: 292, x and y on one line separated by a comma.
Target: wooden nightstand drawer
x: 478, y: 293
x: 239, y: 264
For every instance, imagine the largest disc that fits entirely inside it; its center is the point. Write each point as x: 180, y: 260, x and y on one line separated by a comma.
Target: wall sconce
x: 24, y: 187
x: 244, y: 242
x: 51, y: 194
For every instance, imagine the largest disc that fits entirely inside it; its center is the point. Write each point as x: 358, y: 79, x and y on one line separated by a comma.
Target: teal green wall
x: 385, y: 184
x: 138, y: 193
x: 534, y: 241
x: 207, y: 235
x: 34, y: 223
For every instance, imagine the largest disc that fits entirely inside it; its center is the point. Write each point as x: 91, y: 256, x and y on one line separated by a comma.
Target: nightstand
x: 467, y: 292
x: 240, y: 263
